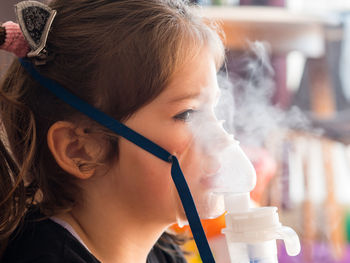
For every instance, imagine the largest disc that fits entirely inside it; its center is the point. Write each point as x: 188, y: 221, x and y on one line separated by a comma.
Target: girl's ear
x: 70, y: 147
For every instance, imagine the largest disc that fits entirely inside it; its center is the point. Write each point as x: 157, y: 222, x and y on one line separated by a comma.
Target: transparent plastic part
x: 218, y: 165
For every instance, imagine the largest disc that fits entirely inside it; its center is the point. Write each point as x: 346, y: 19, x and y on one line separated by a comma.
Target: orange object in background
x: 265, y: 166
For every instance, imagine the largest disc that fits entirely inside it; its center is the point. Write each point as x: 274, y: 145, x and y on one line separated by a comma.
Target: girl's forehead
x: 196, y: 80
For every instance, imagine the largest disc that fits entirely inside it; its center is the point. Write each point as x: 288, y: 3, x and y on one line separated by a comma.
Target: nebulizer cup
x: 251, y: 232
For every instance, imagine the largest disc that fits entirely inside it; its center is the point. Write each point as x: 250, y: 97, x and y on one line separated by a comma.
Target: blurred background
x: 288, y: 66
x: 288, y: 69
x: 6, y: 13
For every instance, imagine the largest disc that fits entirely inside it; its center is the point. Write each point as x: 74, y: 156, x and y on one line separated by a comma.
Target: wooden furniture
x: 285, y: 31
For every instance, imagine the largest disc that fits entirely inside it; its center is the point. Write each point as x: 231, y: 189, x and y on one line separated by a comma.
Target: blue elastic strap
x: 141, y: 141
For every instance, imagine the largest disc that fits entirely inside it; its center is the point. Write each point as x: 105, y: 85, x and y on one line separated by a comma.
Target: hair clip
x: 35, y: 20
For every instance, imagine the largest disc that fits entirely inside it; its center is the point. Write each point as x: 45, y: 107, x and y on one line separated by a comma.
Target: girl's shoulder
x: 39, y: 239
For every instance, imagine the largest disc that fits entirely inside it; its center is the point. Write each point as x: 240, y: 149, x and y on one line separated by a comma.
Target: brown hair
x: 2, y: 35
x: 115, y: 55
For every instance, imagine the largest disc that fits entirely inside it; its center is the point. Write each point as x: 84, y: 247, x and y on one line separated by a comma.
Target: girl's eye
x: 184, y: 116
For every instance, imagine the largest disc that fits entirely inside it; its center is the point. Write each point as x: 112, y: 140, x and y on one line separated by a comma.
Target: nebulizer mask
x: 251, y: 232
x: 219, y: 165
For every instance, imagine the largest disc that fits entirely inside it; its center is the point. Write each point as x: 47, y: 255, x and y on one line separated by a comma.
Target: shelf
x: 284, y: 30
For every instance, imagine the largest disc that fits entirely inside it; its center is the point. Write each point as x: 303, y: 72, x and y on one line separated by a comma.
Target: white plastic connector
x: 291, y: 240
x: 236, y: 203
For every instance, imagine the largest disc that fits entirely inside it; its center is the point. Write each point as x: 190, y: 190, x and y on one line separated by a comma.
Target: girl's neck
x: 113, y: 237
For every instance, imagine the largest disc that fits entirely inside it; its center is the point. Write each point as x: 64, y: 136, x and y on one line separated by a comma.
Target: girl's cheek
x: 179, y: 143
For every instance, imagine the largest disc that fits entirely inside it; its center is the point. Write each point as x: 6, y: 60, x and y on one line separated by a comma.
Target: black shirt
x: 44, y: 241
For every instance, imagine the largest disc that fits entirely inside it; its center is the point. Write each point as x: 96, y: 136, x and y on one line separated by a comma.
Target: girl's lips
x: 209, y: 181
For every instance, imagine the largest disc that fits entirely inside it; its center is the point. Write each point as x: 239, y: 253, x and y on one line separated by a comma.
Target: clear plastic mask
x: 220, y: 166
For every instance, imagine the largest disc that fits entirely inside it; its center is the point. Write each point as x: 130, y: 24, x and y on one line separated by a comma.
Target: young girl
x: 70, y: 189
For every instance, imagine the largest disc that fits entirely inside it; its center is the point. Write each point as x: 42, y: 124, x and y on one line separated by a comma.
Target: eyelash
x: 184, y: 116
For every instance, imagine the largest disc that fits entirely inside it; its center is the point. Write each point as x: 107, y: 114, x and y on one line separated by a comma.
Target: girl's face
x: 143, y: 182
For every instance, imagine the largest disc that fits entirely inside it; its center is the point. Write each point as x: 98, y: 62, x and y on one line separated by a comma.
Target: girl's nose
x: 218, y: 139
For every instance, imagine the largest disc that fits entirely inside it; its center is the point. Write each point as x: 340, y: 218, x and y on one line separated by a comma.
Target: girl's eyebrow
x: 193, y: 95
x: 186, y: 96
